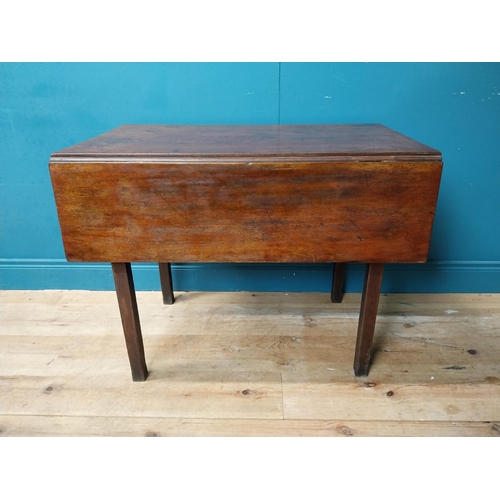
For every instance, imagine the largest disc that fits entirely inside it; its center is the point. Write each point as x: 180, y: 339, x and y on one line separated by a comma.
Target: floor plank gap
x: 249, y: 364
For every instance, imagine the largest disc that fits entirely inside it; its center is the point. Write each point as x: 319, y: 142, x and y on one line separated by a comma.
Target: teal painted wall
x: 454, y: 107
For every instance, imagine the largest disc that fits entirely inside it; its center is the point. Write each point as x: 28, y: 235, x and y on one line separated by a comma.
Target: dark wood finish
x: 125, y: 291
x: 251, y: 212
x: 337, y: 293
x: 269, y: 142
x: 167, y: 288
x: 288, y: 193
x: 367, y: 318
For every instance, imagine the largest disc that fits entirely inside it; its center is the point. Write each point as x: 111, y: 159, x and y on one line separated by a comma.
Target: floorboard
x: 249, y: 364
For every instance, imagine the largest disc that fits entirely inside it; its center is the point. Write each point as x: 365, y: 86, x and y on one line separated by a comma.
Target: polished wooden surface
x: 259, y: 141
x: 262, y: 212
x: 289, y: 193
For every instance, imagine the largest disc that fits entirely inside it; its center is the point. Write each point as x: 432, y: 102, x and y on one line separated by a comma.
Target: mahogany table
x: 288, y: 193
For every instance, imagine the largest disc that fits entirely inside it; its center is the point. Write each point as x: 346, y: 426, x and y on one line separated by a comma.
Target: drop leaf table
x: 271, y: 193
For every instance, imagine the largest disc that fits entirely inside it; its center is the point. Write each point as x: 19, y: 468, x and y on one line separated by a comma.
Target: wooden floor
x: 249, y: 364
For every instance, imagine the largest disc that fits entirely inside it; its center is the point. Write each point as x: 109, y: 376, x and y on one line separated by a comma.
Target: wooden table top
x: 176, y: 143
x: 288, y: 193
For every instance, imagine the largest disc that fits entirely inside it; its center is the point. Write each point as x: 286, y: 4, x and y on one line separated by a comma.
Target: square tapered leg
x: 167, y: 289
x: 337, y: 293
x: 367, y: 318
x: 125, y: 291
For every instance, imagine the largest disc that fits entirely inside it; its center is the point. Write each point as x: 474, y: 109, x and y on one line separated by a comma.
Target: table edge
x: 307, y: 158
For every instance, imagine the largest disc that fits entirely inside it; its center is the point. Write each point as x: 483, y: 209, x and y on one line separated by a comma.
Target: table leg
x: 125, y: 291
x: 338, y: 282
x: 367, y: 318
x: 167, y: 289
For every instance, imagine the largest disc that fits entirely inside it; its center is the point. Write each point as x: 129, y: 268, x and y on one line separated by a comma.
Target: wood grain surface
x: 258, y: 141
x: 243, y: 364
x: 246, y: 212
